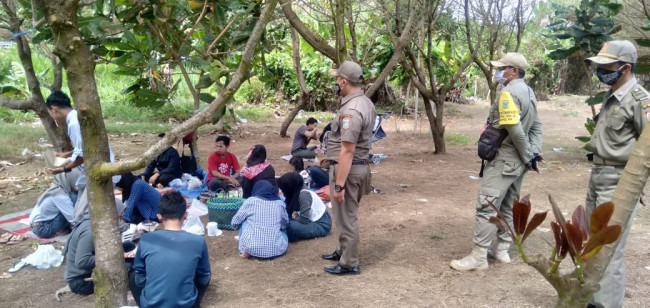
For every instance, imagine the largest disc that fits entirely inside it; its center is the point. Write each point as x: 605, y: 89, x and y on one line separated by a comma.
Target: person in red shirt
x: 223, y: 167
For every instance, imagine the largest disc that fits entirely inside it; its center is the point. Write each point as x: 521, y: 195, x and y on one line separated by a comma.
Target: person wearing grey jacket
x: 515, y: 113
x: 79, y: 254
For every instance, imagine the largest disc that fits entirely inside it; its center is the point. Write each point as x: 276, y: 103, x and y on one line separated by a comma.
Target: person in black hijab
x: 309, y: 217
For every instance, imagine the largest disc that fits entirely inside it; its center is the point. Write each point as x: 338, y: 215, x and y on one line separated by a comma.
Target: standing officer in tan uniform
x: 516, y: 113
x: 621, y: 120
x: 348, y: 151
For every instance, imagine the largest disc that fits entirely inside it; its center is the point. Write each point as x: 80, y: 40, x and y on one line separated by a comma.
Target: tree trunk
x: 109, y: 274
x: 302, y: 101
x: 435, y: 124
x: 57, y: 135
x: 576, y: 79
x: 339, y: 30
x: 305, y: 95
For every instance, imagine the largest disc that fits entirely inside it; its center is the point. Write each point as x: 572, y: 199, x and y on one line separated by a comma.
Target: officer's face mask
x: 498, y: 76
x: 337, y: 89
x: 609, y: 77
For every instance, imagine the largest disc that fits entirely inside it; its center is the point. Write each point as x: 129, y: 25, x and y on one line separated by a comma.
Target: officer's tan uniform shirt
x: 353, y: 123
x: 620, y: 123
x: 516, y: 111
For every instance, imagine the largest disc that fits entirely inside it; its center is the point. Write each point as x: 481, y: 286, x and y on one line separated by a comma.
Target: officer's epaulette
x: 639, y: 94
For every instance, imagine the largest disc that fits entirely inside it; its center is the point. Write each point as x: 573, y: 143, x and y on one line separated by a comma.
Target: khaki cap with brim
x: 511, y: 59
x: 615, y: 51
x: 350, y: 71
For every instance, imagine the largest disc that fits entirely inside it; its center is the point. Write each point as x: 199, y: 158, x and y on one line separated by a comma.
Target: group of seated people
x: 183, y: 255
x: 276, y: 211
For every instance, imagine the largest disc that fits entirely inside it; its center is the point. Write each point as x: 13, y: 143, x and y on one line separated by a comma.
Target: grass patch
x: 322, y: 117
x: 15, y: 137
x: 457, y: 139
x: 254, y: 113
x: 120, y: 128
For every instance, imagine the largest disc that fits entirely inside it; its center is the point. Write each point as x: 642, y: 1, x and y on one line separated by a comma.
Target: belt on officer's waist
x: 354, y: 162
x: 600, y: 161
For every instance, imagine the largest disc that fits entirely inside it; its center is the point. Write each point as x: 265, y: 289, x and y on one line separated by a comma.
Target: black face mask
x: 609, y: 77
x: 337, y: 90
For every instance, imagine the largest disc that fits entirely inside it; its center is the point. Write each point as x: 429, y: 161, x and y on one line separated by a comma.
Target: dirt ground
x: 406, y: 244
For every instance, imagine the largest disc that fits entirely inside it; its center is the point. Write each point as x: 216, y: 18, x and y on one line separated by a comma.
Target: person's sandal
x: 17, y: 238
x: 5, y: 238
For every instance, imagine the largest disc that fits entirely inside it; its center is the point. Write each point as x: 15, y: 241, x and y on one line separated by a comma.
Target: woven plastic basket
x: 221, y: 210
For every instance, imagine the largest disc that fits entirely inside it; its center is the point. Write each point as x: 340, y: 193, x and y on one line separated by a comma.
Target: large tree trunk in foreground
x: 109, y: 274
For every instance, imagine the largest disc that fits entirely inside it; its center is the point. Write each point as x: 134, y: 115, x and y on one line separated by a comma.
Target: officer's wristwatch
x: 338, y: 188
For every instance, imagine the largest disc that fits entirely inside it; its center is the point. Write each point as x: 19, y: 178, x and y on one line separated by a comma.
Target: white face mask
x: 498, y: 76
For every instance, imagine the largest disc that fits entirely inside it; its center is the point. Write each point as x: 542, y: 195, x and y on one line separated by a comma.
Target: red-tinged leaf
x: 557, y: 234
x: 579, y: 219
x: 574, y: 235
x: 537, y: 220
x: 600, y: 217
x: 497, y: 222
x: 564, y: 249
x: 605, y: 236
x: 500, y: 216
x: 520, y: 212
x: 562, y: 222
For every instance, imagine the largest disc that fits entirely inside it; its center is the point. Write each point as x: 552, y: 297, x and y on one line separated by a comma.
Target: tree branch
x: 405, y: 38
x: 179, y: 61
x: 25, y: 104
x: 295, y: 50
x: 209, y: 50
x: 314, y: 40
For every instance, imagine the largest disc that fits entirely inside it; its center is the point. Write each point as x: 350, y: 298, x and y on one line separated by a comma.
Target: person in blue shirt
x: 171, y: 266
x: 140, y: 198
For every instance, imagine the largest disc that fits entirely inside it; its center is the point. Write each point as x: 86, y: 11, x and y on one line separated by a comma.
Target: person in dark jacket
x: 168, y: 165
x: 256, y: 169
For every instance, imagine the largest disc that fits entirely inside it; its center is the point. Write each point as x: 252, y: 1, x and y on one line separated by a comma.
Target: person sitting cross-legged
x: 223, y: 167
x: 304, y: 134
x: 168, y: 164
x: 262, y: 221
x: 79, y: 255
x: 171, y: 266
x: 140, y: 198
x: 257, y: 169
x: 309, y: 217
x: 54, y: 210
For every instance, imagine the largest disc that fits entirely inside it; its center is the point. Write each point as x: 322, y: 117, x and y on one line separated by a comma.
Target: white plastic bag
x: 192, y: 181
x: 197, y: 208
x: 175, y: 183
x: 44, y: 257
x: 193, y: 225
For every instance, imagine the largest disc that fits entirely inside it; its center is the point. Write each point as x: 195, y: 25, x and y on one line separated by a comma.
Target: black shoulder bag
x: 489, y: 143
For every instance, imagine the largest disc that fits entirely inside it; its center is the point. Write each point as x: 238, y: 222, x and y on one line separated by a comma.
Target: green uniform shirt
x: 353, y: 123
x: 620, y: 123
x: 516, y: 112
